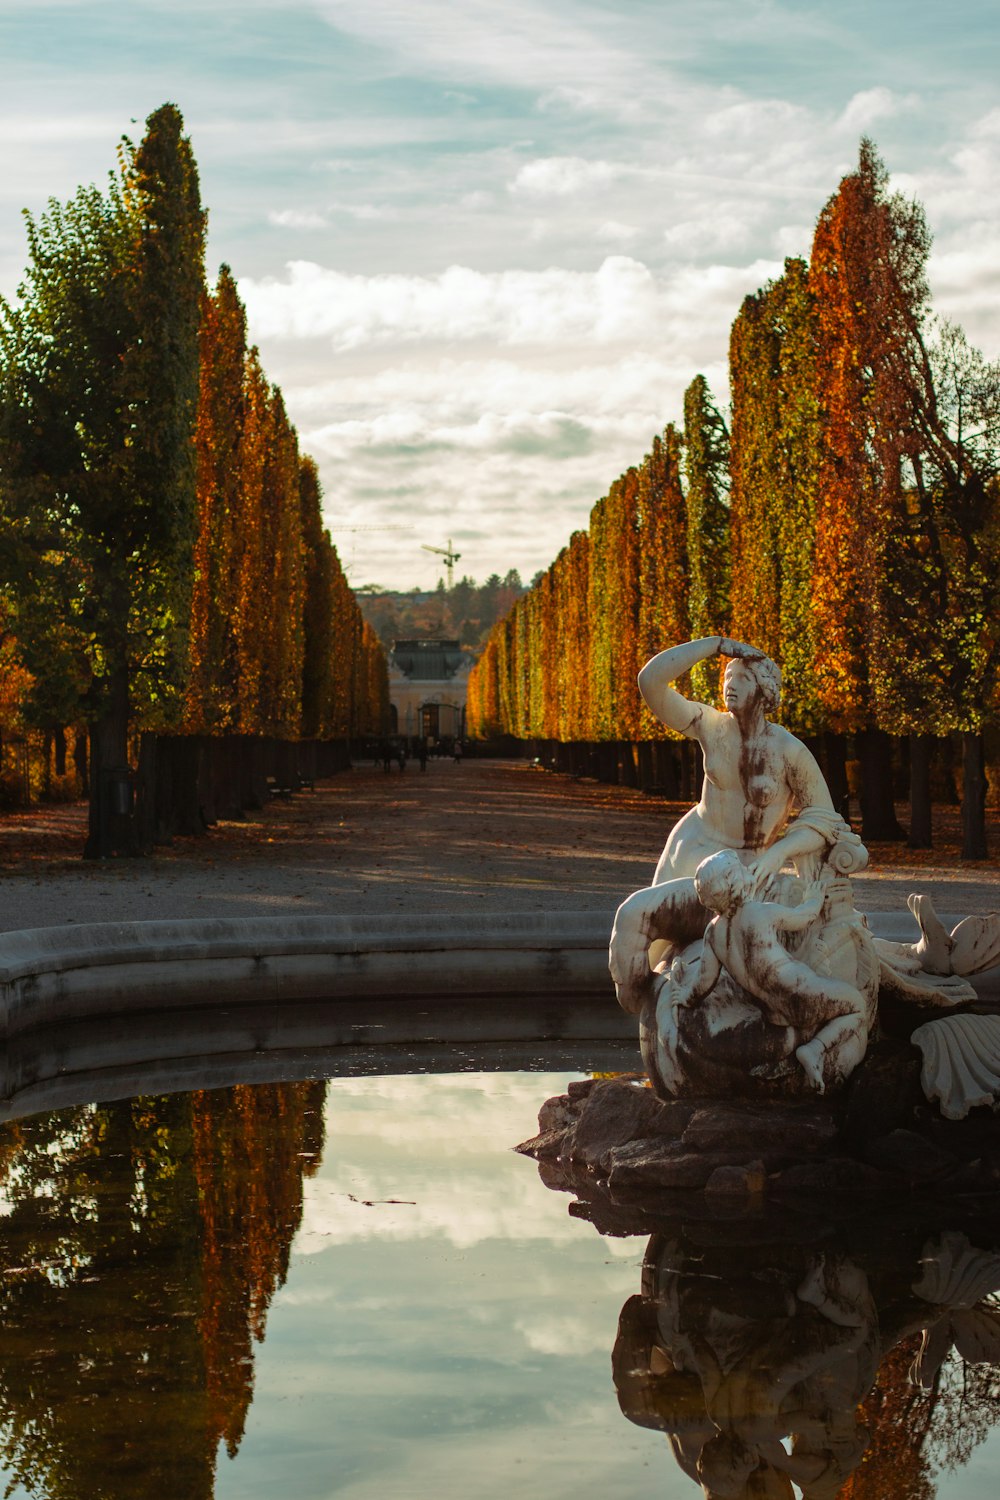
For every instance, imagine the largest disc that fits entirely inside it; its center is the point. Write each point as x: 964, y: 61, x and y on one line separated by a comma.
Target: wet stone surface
x: 614, y: 1140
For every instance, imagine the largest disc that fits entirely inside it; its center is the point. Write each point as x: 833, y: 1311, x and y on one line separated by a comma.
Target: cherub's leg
x: 834, y: 1052
x: 664, y: 914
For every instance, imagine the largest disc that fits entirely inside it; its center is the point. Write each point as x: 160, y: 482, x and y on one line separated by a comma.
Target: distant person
x: 457, y: 752
x: 401, y: 756
x: 386, y: 757
x: 422, y: 754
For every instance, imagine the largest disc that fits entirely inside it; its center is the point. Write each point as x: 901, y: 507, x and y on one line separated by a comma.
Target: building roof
x: 429, y: 659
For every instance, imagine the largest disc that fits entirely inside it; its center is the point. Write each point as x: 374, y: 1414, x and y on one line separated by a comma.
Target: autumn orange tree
x: 905, y: 590
x: 162, y: 569
x: 213, y: 668
x: 663, y: 570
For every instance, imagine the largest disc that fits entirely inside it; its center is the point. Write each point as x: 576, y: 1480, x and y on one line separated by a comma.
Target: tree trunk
x: 647, y: 768
x: 973, y: 796
x: 687, y: 772
x: 110, y: 826
x: 835, y: 746
x: 878, y: 814
x: 921, y: 751
x: 145, y: 793
x: 80, y: 762
x: 607, y: 762
x: 59, y: 737
x: 47, y: 765
x: 666, y: 769
x: 177, y: 798
x: 626, y: 763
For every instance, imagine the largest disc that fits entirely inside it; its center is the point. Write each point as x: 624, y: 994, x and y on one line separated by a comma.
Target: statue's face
x: 738, y: 686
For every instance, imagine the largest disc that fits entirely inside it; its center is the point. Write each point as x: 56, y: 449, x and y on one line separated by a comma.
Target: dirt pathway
x: 483, y: 836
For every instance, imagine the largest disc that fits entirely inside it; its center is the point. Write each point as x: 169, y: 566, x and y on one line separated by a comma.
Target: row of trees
x: 847, y: 521
x: 162, y: 554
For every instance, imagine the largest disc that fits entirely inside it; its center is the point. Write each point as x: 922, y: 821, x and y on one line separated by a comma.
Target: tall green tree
x: 100, y: 381
x: 706, y: 469
x: 776, y: 436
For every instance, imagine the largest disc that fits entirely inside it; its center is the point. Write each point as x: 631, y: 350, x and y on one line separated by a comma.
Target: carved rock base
x: 613, y: 1139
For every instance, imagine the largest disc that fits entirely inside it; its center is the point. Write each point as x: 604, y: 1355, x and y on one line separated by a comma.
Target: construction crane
x: 451, y: 557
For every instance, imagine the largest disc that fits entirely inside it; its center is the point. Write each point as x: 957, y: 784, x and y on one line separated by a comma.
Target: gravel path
x: 482, y: 836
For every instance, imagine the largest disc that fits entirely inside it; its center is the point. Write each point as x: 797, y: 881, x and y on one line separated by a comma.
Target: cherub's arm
x: 700, y: 983
x: 794, y: 918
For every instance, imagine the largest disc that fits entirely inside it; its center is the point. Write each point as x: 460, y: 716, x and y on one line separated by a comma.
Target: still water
x: 356, y: 1289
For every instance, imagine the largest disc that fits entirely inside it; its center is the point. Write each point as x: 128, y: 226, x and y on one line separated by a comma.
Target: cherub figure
x: 827, y: 1016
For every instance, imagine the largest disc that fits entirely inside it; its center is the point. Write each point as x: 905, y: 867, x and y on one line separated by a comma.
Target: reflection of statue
x: 742, y: 985
x: 754, y: 1361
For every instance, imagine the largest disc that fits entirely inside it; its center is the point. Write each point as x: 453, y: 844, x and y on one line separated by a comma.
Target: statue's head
x: 746, y: 678
x: 722, y: 881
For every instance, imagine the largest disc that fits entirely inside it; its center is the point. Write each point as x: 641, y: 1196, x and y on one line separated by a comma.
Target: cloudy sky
x: 485, y: 244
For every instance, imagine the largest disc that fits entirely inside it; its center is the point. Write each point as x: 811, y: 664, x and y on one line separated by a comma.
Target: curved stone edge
x: 43, y: 949
x: 51, y: 974
x: 61, y: 974
x: 61, y: 1078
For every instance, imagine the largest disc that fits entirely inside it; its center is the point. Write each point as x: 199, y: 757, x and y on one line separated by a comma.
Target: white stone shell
x: 961, y: 1067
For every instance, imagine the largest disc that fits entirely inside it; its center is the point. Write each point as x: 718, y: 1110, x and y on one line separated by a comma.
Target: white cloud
x: 616, y: 233
x: 865, y: 108
x: 293, y: 218
x: 583, y: 51
x: 719, y: 230
x: 459, y: 304
x: 562, y: 176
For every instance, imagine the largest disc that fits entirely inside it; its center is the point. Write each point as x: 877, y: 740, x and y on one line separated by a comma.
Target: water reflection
x: 852, y: 1367
x: 140, y: 1247
x: 446, y: 1326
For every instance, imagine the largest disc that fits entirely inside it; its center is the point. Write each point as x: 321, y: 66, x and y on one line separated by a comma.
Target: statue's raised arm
x: 658, y: 676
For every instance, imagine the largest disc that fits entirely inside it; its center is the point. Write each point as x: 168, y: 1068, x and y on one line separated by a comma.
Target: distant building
x: 428, y: 679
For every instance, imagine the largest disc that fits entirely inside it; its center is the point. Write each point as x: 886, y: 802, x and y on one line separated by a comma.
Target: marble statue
x: 745, y: 960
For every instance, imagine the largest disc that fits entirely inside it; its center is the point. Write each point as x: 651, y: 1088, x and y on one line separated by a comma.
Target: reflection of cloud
x: 444, y: 1145
x: 459, y: 1345
x: 565, y: 1334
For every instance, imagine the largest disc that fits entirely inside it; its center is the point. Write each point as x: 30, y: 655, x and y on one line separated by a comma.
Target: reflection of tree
x: 915, y: 1432
x: 252, y: 1147
x: 897, y: 1414
x: 143, y: 1243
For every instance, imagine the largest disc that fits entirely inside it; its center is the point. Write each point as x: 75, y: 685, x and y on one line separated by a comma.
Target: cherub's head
x: 722, y: 882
